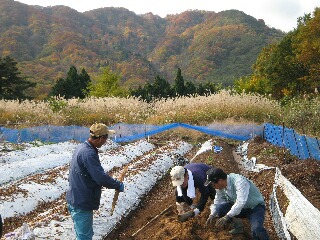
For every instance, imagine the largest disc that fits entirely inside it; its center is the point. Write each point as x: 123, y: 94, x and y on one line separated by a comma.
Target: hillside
x: 206, y: 45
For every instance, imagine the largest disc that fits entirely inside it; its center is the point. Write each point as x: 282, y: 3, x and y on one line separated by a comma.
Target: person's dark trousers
x: 185, y: 198
x: 255, y: 216
x: 0, y: 226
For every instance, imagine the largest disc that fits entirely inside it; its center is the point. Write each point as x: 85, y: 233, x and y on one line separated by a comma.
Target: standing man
x: 187, y: 179
x: 86, y: 179
x: 236, y: 196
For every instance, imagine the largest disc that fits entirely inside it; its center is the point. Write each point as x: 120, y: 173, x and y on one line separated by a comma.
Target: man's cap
x: 177, y: 175
x: 100, y: 129
x: 214, y: 174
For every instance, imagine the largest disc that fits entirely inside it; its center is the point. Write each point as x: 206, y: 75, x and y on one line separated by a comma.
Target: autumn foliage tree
x: 307, y: 45
x: 291, y: 67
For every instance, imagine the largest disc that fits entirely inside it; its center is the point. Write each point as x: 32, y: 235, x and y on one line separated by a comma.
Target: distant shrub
x: 57, y: 104
x: 302, y: 114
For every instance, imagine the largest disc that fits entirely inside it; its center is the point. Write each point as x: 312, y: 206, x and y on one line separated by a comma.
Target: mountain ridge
x: 207, y: 46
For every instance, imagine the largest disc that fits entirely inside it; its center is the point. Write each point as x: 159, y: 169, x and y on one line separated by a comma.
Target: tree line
x: 80, y: 85
x: 108, y: 85
x: 161, y: 88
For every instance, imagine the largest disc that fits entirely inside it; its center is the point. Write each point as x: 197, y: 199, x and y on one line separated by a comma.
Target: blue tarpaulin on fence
x: 124, y: 132
x: 299, y: 145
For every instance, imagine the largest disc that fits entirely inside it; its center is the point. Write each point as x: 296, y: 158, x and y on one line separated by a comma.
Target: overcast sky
x: 280, y: 14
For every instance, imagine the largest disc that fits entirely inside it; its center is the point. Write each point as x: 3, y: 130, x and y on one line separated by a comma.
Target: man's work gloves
x: 185, y: 216
x: 121, y: 187
x: 221, y: 222
x: 196, y: 211
x: 210, y: 219
x: 237, y: 226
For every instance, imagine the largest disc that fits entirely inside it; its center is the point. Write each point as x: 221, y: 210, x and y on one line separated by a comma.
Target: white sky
x: 280, y: 14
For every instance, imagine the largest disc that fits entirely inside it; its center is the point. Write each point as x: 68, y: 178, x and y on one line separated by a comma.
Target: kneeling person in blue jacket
x: 86, y: 179
x: 187, y: 179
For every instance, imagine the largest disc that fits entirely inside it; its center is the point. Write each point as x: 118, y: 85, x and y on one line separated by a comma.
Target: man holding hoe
x: 86, y: 179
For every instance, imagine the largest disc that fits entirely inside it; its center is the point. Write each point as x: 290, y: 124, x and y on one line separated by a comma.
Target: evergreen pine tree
x: 12, y: 84
x: 179, y: 86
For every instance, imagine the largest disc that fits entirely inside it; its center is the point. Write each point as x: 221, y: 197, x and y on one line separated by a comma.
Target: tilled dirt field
x: 156, y: 217
x: 39, y: 199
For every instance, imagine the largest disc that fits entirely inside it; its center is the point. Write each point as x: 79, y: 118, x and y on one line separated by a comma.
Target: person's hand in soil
x: 221, y: 222
x: 211, y: 219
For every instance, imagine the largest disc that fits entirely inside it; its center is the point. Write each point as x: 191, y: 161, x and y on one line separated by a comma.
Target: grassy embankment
x: 302, y: 114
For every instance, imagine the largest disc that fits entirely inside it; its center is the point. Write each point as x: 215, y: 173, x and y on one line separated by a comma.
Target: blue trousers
x: 0, y: 226
x: 255, y: 216
x: 83, y: 223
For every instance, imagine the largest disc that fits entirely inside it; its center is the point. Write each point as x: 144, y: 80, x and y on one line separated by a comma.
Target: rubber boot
x: 237, y: 226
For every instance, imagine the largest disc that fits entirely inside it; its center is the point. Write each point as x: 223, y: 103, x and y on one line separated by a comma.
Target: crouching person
x: 236, y: 196
x: 187, y: 179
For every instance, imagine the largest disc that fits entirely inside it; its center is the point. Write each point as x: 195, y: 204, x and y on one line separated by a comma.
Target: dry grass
x: 221, y: 106
x: 197, y: 110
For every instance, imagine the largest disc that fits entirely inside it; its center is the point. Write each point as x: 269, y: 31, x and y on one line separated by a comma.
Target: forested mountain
x: 206, y: 46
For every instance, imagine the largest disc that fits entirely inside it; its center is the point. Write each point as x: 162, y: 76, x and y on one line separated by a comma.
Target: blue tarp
x: 300, y: 146
x: 124, y: 132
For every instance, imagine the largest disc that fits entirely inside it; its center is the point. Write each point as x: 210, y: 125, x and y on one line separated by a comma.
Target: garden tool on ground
x: 165, y: 210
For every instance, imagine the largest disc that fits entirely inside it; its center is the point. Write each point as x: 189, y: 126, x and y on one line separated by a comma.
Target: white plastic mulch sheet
x: 146, y: 165
x: 207, y: 146
x: 302, y: 219
x: 249, y: 164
